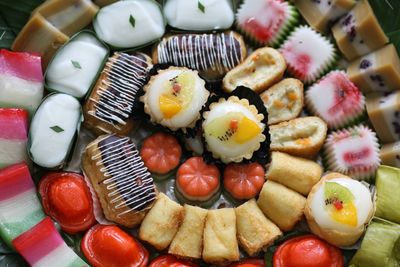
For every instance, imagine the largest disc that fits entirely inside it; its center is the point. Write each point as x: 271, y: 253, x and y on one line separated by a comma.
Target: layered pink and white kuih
x: 13, y: 136
x: 353, y: 151
x: 336, y: 100
x: 20, y: 208
x: 42, y: 246
x: 21, y: 80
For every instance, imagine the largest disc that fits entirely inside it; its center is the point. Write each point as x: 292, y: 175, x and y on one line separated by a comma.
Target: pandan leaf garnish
x: 76, y: 64
x: 201, y: 7
x: 57, y: 129
x: 132, y: 21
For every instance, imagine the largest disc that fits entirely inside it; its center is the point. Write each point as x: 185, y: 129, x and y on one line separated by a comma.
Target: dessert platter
x: 192, y: 133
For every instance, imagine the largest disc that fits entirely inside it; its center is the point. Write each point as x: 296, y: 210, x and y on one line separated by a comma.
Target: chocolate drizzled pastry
x: 122, y: 183
x: 110, y: 105
x: 213, y: 55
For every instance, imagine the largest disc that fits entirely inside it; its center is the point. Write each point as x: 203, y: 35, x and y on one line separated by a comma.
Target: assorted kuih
x: 198, y: 146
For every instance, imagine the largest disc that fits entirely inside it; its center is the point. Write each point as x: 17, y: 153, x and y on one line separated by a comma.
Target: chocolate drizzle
x: 128, y: 180
x: 220, y: 52
x: 125, y: 76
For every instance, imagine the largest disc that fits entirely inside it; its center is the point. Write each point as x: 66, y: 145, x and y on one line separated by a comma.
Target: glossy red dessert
x: 307, y: 251
x: 109, y: 246
x: 67, y: 199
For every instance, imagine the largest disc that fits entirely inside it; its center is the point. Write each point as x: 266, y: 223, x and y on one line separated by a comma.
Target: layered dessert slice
x: 20, y: 87
x: 20, y: 207
x: 13, y: 136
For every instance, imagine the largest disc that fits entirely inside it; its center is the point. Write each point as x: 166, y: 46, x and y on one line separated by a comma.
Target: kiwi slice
x: 339, y: 200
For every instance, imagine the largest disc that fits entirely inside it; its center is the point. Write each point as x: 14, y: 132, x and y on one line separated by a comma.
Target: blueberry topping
x: 347, y: 20
x: 352, y: 33
x: 365, y: 64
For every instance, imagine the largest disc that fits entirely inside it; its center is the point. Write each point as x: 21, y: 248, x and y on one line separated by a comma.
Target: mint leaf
x: 76, y: 64
x: 57, y: 129
x: 201, y: 7
x: 132, y: 21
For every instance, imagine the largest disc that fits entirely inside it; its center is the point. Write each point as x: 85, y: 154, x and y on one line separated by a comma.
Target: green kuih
x: 380, y: 246
x: 387, y: 193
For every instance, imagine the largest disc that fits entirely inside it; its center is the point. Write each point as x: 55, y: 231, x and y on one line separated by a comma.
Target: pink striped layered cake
x: 21, y: 80
x: 42, y: 246
x: 13, y: 136
x: 20, y: 208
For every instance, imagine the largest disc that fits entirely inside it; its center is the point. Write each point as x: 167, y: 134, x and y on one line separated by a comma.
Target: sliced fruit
x: 246, y: 130
x: 340, y: 201
x: 178, y: 94
x: 233, y: 126
x: 161, y: 153
x: 244, y: 180
x: 169, y: 105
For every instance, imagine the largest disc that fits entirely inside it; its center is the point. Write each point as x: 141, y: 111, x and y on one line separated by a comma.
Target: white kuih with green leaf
x: 76, y: 65
x: 130, y: 24
x: 53, y: 129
